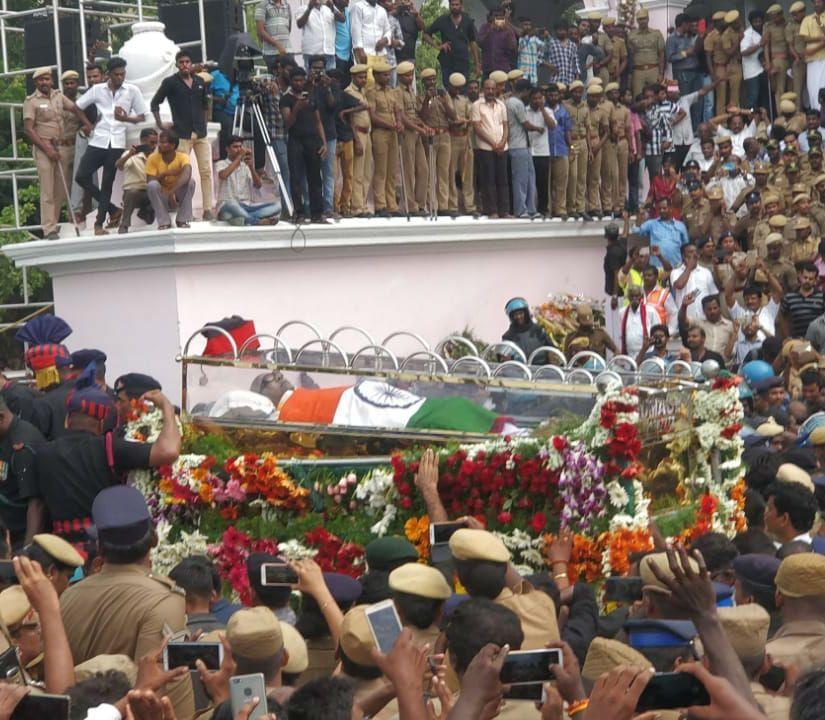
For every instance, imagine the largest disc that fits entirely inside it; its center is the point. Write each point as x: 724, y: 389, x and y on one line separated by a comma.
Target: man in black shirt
x: 187, y: 95
x: 615, y: 255
x: 73, y: 469
x: 411, y: 24
x: 327, y: 98
x: 457, y: 33
x: 698, y: 352
x: 306, y: 145
x: 19, y: 441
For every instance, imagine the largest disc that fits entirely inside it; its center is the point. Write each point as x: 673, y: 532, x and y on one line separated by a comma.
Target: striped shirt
x: 529, y: 50
x: 658, y: 118
x: 802, y: 310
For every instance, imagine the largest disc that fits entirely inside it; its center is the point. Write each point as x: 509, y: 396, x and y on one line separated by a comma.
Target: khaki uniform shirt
x: 578, y: 119
x: 793, y: 39
x: 598, y: 122
x: 71, y: 126
x: 463, y: 109
x: 383, y: 102
x: 777, y: 41
x: 619, y: 122
x: 604, y: 42
x: 784, y: 272
x: 322, y: 661
x: 126, y: 610
x: 536, y: 612
x: 802, y: 250
x: 775, y: 707
x: 713, y: 47
x: 695, y: 216
x: 598, y: 340
x: 717, y: 335
x: 361, y: 119
x: 801, y: 642
x: 645, y: 47
x: 435, y: 113
x: 760, y: 234
x: 47, y: 113
x: 730, y: 44
x: 790, y: 233
x: 408, y: 103
x: 619, y: 56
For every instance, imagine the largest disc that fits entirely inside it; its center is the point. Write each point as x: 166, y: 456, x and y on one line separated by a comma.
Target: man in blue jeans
x: 328, y: 99
x: 236, y: 179
x: 521, y: 163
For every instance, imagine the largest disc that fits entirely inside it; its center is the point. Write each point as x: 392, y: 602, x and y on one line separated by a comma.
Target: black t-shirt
x: 342, y: 128
x: 459, y: 38
x: 17, y: 457
x: 304, y: 125
x: 615, y: 256
x: 327, y: 111
x: 409, y: 31
x: 73, y: 469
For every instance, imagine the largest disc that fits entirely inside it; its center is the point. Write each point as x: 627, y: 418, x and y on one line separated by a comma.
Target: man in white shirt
x: 236, y: 179
x: 751, y: 47
x: 763, y: 315
x: 117, y: 103
x: 317, y: 23
x: 637, y: 320
x: 737, y: 131
x: 690, y: 277
x: 719, y: 331
x: 682, y: 127
x: 371, y: 33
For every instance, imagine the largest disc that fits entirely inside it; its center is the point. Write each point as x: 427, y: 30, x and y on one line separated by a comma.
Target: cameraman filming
x: 306, y: 144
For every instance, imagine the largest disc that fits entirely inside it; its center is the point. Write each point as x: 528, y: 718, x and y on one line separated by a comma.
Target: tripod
x: 247, y: 102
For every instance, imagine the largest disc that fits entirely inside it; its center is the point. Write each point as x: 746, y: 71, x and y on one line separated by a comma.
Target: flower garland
x: 167, y: 554
x: 261, y: 477
x: 417, y: 531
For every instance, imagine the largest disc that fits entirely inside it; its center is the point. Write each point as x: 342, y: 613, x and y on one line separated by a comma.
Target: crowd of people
x: 515, y: 120
x: 738, y: 620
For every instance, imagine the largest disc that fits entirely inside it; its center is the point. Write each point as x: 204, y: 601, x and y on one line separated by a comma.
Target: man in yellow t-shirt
x: 811, y: 31
x: 169, y: 182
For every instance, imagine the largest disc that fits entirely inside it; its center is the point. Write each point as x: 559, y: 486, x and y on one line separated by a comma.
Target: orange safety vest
x: 658, y: 297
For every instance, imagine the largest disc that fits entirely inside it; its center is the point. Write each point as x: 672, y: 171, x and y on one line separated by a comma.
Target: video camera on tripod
x: 237, y: 62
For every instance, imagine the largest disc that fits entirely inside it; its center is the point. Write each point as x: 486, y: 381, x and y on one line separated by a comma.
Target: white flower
x: 294, y: 550
x: 618, y: 495
x: 166, y: 555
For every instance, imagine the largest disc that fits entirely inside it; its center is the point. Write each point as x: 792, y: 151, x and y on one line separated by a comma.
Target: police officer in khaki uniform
x: 647, y: 48
x: 621, y: 131
x: 716, y: 59
x: 579, y: 113
x: 412, y: 147
x: 731, y: 39
x: 796, y: 47
x: 437, y: 111
x: 355, y: 651
x: 535, y: 609
x: 362, y: 140
x: 781, y: 268
x: 610, y: 166
x: 43, y: 125
x: 696, y: 212
x: 598, y: 129
x: 804, y: 246
x: 411, y: 583
x: 125, y: 608
x: 384, y: 116
x: 23, y: 625
x: 777, y: 53
x: 461, y: 154
x: 770, y: 207
x: 746, y: 627
x: 618, y: 59
x: 800, y: 589
x: 605, y: 44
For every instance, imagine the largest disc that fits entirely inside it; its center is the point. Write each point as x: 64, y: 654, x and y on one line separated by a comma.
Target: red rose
x: 538, y: 522
x: 504, y: 517
x: 559, y: 443
x: 405, y: 503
